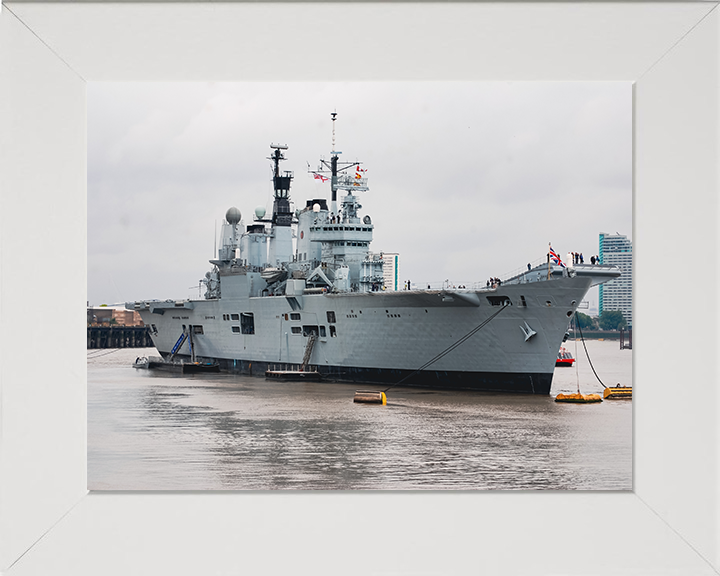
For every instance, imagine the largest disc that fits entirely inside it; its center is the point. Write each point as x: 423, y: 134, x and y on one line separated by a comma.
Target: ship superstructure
x: 319, y: 300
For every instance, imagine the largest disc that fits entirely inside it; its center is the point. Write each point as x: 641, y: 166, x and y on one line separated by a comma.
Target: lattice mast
x: 339, y: 173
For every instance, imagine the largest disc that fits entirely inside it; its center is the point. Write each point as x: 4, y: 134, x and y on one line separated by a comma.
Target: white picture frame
x: 49, y: 523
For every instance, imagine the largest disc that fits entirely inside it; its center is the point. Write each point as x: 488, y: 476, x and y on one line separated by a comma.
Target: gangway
x: 178, y: 345
x: 299, y: 374
x: 308, y: 351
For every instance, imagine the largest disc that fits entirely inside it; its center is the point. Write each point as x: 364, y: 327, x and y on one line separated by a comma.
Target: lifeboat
x: 564, y: 358
x: 271, y: 275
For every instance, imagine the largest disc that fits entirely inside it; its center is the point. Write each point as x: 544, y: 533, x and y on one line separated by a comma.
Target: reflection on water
x: 157, y: 431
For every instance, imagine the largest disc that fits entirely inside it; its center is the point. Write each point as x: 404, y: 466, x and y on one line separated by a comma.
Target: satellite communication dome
x: 260, y: 212
x: 233, y: 215
x: 316, y: 207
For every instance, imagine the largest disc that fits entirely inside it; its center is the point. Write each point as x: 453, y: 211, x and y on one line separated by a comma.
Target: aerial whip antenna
x: 333, y: 115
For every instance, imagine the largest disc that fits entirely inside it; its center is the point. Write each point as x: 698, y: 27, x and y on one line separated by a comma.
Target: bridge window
x: 295, y: 316
x: 331, y: 316
x: 333, y: 334
x: 236, y: 329
x: 234, y: 317
x: 296, y: 330
x: 322, y: 331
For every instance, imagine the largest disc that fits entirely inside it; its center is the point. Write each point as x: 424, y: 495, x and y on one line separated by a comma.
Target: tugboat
x: 301, y: 288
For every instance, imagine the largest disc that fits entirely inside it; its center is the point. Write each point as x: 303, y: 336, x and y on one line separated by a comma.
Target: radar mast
x: 282, y: 215
x: 340, y: 178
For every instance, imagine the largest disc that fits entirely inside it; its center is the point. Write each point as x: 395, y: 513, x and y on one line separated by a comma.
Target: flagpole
x: 548, y: 259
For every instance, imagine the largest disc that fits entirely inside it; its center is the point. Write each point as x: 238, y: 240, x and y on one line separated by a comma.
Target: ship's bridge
x: 341, y: 232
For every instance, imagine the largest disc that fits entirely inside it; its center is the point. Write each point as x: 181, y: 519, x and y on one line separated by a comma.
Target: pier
x: 118, y: 337
x: 605, y: 335
x: 625, y: 344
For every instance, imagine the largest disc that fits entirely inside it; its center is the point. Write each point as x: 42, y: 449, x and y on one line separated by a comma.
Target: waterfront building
x: 107, y: 315
x: 391, y: 270
x: 616, y: 294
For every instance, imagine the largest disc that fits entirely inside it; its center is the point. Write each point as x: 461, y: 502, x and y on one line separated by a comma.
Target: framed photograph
x: 261, y: 359
x: 49, y: 521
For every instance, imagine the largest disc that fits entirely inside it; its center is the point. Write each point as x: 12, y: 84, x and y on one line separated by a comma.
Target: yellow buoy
x: 578, y: 398
x: 618, y: 392
x: 370, y: 397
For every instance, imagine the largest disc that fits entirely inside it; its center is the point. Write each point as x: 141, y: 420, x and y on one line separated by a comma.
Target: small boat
x: 564, y: 358
x: 157, y: 363
x: 194, y: 367
x: 142, y: 362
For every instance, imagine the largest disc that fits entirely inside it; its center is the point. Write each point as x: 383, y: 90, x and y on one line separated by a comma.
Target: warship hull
x: 382, y: 337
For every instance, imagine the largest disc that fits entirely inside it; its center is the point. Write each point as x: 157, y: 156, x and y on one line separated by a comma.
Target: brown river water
x: 158, y: 431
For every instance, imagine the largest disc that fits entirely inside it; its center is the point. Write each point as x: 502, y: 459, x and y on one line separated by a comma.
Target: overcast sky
x: 467, y: 179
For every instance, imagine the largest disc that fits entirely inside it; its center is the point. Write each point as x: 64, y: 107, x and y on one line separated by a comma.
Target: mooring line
x: 105, y: 354
x: 577, y: 323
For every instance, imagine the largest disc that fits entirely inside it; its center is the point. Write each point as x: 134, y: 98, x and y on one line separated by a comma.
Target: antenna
x: 333, y: 115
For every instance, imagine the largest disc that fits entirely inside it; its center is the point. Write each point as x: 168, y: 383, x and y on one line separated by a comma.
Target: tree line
x: 608, y: 320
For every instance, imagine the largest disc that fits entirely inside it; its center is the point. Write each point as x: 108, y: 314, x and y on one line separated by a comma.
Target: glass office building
x: 616, y: 249
x: 391, y: 270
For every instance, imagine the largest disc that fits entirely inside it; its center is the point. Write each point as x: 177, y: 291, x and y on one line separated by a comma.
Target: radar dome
x: 316, y: 207
x: 233, y: 216
x: 260, y: 212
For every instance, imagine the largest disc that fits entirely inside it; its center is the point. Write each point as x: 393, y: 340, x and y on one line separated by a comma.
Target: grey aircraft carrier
x: 301, y: 290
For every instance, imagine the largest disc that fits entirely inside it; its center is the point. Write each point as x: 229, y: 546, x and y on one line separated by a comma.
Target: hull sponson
x: 381, y: 337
